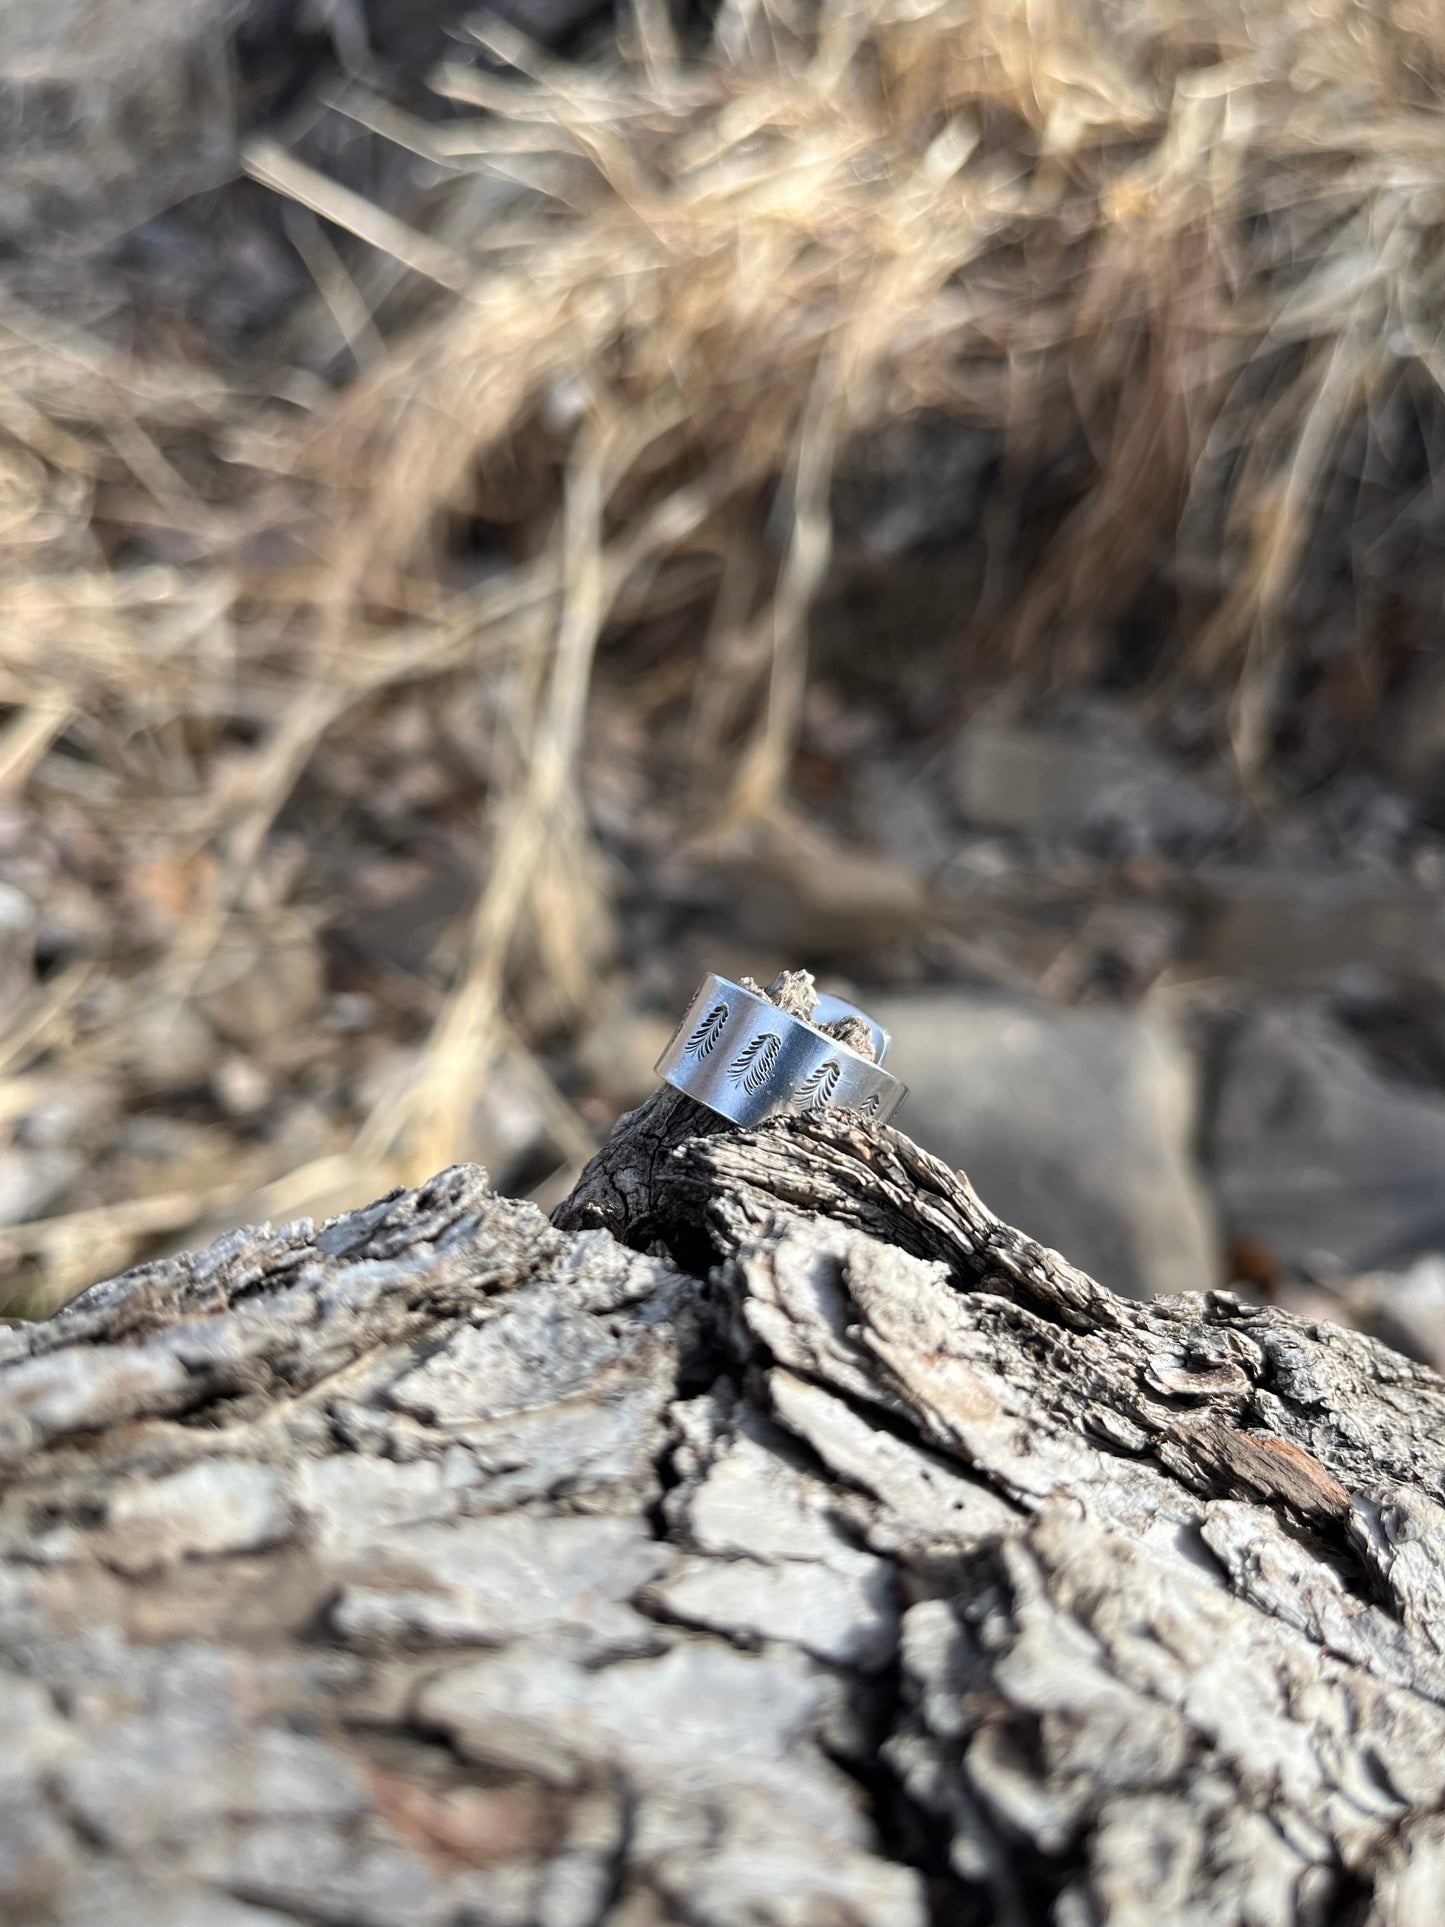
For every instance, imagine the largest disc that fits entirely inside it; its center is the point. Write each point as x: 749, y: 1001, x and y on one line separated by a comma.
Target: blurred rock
x: 1320, y: 1161
x: 1119, y: 799
x: 106, y: 108
x: 917, y: 483
x: 402, y: 911
x: 1359, y: 819
x: 1157, y: 812
x: 302, y: 1133
x: 160, y: 1152
x: 508, y: 1121
x: 1405, y: 1309
x: 1074, y: 1126
x: 1021, y: 779
x: 1413, y: 737
x: 31, y: 1181
x: 1297, y: 930
x: 803, y: 893
x: 170, y: 1046
x: 263, y: 979
x: 617, y: 1055
x: 1400, y: 1021
x: 72, y: 922
x: 112, y: 113
x: 70, y: 1114
x: 240, y: 1085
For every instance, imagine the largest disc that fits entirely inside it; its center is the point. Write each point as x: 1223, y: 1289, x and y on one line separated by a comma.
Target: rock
x: 617, y: 1054
x: 913, y: 484
x: 1413, y: 738
x: 1074, y: 1125
x: 1321, y: 1161
x: 240, y: 1086
x: 1118, y: 797
x: 31, y: 1181
x: 18, y: 922
x: 1405, y: 1309
x: 788, y: 886
x: 1022, y: 779
x: 262, y: 981
x: 113, y: 109
x: 402, y: 910
x: 110, y: 115
x: 169, y: 1045
x: 70, y: 1114
x: 1288, y: 929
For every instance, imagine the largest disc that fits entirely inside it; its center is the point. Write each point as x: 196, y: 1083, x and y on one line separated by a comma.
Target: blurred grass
x: 1179, y: 265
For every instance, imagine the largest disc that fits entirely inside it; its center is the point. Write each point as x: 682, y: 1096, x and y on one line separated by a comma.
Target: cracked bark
x: 841, y: 1556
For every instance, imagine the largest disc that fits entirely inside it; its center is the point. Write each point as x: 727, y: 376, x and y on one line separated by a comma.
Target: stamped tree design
x: 753, y: 1065
x: 703, y: 1040
x: 815, y: 1092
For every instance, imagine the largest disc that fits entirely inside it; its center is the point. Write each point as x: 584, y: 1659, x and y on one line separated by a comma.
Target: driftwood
x: 831, y: 1553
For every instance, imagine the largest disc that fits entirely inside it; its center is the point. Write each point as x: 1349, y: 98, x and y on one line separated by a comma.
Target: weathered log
x: 842, y: 1556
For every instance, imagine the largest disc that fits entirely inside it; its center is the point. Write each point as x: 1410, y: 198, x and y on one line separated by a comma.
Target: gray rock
x: 1328, y: 1166
x: 32, y: 1181
x: 1074, y: 1125
x: 1118, y: 797
x: 110, y: 108
x: 1023, y: 779
x: 111, y: 113
x: 914, y: 484
x: 1292, y: 929
x: 1404, y: 1308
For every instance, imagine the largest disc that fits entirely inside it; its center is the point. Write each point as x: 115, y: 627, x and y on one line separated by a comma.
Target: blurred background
x: 501, y: 512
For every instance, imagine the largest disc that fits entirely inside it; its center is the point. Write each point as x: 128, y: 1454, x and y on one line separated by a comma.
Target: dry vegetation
x: 1177, y: 269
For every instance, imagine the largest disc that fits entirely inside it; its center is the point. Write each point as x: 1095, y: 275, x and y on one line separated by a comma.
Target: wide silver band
x: 742, y: 1057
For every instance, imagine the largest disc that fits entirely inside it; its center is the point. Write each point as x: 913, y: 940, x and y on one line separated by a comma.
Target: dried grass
x: 1183, y: 262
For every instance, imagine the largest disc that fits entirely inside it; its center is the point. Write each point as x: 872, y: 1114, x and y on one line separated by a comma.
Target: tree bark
x: 828, y: 1552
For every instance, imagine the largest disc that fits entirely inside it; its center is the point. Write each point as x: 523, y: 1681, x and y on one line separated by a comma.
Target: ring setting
x: 742, y: 1057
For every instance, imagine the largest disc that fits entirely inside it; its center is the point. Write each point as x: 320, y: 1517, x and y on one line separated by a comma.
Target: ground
x: 486, y: 534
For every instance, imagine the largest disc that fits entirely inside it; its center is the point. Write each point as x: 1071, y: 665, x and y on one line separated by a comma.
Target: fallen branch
x: 839, y: 1556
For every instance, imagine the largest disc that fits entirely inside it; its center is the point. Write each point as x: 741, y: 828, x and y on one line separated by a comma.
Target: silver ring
x: 742, y: 1057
